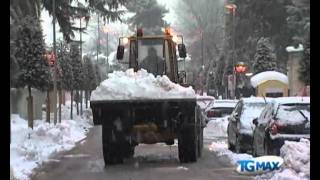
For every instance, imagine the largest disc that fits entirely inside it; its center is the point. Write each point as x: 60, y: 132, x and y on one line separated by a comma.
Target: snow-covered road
x: 150, y: 162
x: 52, y: 160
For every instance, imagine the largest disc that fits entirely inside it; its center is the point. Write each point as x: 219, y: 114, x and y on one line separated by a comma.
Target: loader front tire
x: 188, y: 145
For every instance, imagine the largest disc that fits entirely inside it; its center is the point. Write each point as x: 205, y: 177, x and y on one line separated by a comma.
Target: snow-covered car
x: 240, y: 127
x: 218, y: 109
x: 203, y: 101
x: 285, y: 118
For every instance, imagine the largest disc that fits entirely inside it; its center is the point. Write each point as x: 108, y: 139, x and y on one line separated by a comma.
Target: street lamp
x: 55, y: 64
x: 107, y: 30
x: 231, y: 8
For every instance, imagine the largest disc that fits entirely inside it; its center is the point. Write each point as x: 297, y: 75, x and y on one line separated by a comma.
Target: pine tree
x: 34, y: 69
x: 304, y: 72
x: 90, y: 77
x: 98, y: 74
x: 264, y: 59
x: 149, y: 16
x: 77, y: 70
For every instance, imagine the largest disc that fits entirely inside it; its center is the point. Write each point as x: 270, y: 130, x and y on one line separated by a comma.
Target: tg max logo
x: 259, y: 165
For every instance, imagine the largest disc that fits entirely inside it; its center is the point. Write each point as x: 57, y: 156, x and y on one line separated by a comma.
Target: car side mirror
x: 120, y: 52
x: 182, y: 50
x: 255, y: 121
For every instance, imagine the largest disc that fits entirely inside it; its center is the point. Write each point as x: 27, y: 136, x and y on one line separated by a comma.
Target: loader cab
x: 156, y: 54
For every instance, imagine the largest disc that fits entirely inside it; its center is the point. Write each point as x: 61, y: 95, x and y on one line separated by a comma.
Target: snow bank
x: 296, y: 156
x: 131, y: 85
x: 293, y: 49
x: 45, y: 140
x: 267, y: 76
x: 216, y: 128
x: 221, y: 149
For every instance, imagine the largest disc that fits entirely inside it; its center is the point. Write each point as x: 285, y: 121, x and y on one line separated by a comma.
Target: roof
x: 204, y: 97
x: 228, y: 103
x: 262, y: 77
x: 255, y: 100
x: 292, y: 100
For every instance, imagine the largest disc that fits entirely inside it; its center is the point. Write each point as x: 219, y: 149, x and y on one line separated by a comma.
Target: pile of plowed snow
x: 30, y: 148
x: 296, y: 156
x: 139, y: 85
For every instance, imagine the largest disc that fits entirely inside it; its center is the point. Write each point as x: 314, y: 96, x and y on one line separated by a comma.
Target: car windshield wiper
x: 306, y: 118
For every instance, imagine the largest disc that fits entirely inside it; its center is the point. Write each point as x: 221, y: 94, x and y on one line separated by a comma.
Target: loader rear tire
x: 112, y: 153
x: 188, y: 145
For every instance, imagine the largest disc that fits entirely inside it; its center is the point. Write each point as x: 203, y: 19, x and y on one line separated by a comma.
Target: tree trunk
x: 60, y: 102
x: 86, y: 97
x: 71, y: 113
x: 81, y: 96
x: 30, y: 109
x: 64, y: 98
x: 48, y: 107
x: 77, y: 101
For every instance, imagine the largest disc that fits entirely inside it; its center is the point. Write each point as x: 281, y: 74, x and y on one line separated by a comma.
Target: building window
x: 274, y: 94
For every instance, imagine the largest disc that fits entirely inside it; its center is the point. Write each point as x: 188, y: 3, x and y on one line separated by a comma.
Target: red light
x: 240, y: 69
x: 139, y: 32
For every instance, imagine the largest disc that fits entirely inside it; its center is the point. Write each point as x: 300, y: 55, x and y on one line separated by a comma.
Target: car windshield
x: 150, y: 55
x: 294, y: 114
x: 250, y: 111
x: 222, y: 111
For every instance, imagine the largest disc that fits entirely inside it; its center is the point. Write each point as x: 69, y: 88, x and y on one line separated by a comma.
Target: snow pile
x: 216, y: 128
x: 293, y: 49
x: 267, y: 76
x: 296, y: 156
x: 221, y: 149
x: 45, y: 140
x: 139, y: 85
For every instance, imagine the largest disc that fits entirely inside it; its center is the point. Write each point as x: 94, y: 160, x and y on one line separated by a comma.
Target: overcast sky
x: 48, y: 31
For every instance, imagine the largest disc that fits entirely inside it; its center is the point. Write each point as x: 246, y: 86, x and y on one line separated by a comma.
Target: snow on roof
x: 292, y: 100
x: 225, y: 103
x: 256, y: 99
x: 205, y: 97
x: 293, y: 49
x: 267, y: 76
x: 132, y: 85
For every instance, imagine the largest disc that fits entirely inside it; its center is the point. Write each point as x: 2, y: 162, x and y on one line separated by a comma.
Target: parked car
x: 240, y: 127
x: 286, y: 118
x: 203, y: 101
x: 218, y: 109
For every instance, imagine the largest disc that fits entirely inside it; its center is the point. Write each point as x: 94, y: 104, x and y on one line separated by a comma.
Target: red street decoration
x: 240, y: 68
x: 139, y: 32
